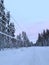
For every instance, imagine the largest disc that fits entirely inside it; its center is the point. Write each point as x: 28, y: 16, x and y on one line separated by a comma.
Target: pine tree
x: 2, y: 22
x: 5, y: 27
x: 19, y: 41
x: 26, y: 41
x: 11, y: 29
x: 39, y: 41
x: 43, y: 39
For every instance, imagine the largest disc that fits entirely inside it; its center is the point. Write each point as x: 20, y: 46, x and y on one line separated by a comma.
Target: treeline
x: 43, y: 38
x: 20, y: 41
x: 7, y: 33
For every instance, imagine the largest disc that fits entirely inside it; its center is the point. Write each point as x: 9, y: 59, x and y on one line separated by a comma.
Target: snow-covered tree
x: 5, y: 27
x: 7, y: 30
x: 43, y: 39
x: 26, y: 41
x: 19, y: 41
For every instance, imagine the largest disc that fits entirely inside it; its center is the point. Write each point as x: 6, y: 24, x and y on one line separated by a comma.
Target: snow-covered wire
x: 14, y: 20
x: 7, y: 35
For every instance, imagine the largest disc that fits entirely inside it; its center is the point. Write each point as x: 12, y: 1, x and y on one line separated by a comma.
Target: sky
x: 32, y: 16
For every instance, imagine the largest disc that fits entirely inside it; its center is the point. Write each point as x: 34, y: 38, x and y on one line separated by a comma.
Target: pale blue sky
x: 31, y: 15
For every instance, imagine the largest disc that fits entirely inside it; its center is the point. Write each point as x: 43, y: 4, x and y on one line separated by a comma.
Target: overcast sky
x: 31, y: 15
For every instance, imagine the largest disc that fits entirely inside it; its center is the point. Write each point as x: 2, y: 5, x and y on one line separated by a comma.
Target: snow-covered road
x: 25, y: 56
x: 41, y: 56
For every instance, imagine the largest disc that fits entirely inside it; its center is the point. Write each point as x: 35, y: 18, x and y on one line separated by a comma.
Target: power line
x: 4, y: 25
x: 14, y: 20
x: 6, y: 22
x: 11, y: 17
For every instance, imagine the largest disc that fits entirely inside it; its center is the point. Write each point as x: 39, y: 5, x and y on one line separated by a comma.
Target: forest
x: 7, y: 33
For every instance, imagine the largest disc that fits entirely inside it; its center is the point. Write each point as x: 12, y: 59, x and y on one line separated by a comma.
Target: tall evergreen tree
x: 19, y: 41
x: 43, y: 39
x: 26, y: 41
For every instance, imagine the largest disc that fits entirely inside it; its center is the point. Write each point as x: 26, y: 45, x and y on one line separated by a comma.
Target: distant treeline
x: 43, y: 38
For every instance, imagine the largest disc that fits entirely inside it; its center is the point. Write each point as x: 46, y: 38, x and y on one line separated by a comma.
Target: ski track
x: 25, y: 56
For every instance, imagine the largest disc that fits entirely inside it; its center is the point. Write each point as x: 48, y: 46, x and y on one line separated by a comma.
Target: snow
x: 25, y: 56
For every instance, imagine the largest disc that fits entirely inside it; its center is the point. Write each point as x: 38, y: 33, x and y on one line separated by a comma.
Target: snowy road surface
x: 25, y: 56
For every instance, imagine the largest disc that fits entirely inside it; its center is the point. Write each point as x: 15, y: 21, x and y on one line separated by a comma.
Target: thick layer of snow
x: 25, y: 56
